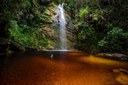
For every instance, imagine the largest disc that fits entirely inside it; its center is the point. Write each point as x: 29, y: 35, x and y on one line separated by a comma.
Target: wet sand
x: 73, y: 68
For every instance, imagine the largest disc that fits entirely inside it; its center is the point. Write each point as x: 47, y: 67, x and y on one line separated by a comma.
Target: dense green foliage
x: 100, y: 25
x: 23, y: 36
x: 23, y: 21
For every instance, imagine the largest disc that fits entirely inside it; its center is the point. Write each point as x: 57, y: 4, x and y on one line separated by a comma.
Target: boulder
x: 116, y: 56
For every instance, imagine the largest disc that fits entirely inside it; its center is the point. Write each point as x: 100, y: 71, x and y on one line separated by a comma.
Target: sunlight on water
x: 98, y: 60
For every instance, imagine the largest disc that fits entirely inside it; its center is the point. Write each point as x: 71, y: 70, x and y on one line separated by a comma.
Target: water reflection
x: 61, y: 68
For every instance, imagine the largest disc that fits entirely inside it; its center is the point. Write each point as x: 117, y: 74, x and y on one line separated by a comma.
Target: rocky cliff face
x: 51, y: 30
x: 31, y: 26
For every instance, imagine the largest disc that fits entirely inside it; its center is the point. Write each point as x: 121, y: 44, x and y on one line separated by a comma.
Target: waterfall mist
x: 60, y: 18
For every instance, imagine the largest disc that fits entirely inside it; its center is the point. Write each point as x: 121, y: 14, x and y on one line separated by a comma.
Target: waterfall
x: 61, y: 21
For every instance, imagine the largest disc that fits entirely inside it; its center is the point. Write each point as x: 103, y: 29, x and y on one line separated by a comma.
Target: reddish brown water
x: 65, y: 68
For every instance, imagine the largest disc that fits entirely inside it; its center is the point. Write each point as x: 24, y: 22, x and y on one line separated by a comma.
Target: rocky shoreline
x: 115, y: 56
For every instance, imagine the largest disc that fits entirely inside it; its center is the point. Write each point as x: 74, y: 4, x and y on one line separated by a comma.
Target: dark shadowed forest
x: 94, y: 25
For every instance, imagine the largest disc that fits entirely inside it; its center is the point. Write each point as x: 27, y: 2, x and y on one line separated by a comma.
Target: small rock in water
x: 51, y: 56
x: 121, y: 76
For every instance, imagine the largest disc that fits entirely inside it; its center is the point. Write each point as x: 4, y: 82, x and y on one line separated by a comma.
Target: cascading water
x: 60, y: 18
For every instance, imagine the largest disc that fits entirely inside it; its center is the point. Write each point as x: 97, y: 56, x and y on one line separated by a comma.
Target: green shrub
x: 26, y: 36
x: 114, y: 41
x: 86, y: 37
